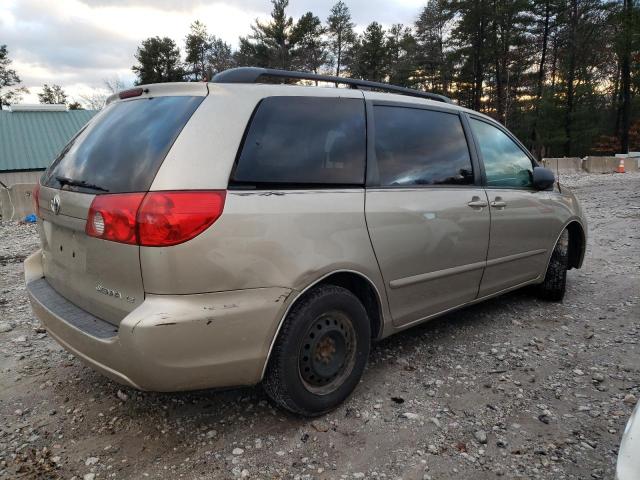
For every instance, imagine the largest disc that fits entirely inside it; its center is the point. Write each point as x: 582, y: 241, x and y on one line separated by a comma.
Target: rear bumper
x: 170, y: 342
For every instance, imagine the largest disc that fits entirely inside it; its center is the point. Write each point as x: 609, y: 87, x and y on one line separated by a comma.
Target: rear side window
x: 505, y: 164
x: 420, y: 147
x: 304, y: 141
x: 123, y: 147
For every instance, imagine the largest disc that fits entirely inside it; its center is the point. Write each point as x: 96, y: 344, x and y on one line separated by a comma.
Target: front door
x: 522, y: 218
x: 427, y: 215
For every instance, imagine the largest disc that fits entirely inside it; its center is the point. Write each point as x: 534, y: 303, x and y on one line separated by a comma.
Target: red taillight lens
x: 155, y: 219
x: 170, y: 218
x: 113, y: 217
x: 35, y: 195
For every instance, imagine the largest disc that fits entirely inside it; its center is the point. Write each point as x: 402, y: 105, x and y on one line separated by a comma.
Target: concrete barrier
x: 608, y: 164
x: 5, y: 204
x: 631, y: 159
x: 563, y: 165
x: 16, y: 202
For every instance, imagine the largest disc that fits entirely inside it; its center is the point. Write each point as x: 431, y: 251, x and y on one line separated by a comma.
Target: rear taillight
x: 155, y: 219
x: 113, y: 217
x: 169, y: 218
x: 35, y: 195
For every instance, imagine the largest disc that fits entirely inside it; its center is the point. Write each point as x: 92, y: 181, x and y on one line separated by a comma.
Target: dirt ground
x: 512, y: 388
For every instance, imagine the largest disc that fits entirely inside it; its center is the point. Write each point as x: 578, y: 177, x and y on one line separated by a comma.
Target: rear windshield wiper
x: 79, y: 183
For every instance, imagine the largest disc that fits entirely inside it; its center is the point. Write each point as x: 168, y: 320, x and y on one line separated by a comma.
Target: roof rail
x: 254, y: 74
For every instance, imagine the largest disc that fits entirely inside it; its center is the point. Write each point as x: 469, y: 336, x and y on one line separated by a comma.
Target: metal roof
x: 32, y: 139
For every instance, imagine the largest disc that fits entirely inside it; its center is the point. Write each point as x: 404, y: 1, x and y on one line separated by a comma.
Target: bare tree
x: 95, y: 100
x: 115, y: 84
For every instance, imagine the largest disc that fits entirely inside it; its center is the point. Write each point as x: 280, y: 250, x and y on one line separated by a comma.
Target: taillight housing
x: 113, y: 217
x: 35, y: 196
x: 154, y: 219
x: 170, y: 218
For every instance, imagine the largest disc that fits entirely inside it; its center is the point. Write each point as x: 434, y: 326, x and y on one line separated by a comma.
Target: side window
x: 420, y: 147
x: 505, y: 164
x: 304, y: 140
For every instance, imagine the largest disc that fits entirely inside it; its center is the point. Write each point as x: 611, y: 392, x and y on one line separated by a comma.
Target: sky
x: 79, y: 43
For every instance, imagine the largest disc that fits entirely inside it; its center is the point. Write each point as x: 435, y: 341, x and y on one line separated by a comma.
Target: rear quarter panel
x: 284, y: 238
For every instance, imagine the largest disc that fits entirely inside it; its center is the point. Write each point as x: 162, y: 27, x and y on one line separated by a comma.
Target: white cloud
x: 79, y: 43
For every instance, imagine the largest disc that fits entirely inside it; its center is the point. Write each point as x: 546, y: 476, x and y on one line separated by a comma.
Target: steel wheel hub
x: 327, y: 353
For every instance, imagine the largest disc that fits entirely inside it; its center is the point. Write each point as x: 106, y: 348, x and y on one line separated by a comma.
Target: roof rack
x: 254, y: 74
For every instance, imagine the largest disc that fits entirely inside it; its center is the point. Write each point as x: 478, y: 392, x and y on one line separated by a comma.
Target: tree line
x: 563, y: 75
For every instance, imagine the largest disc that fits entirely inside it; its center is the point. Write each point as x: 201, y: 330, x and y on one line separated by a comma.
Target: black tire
x: 555, y: 280
x: 328, y: 324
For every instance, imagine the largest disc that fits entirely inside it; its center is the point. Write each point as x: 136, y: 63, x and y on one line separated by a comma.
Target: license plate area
x: 64, y: 247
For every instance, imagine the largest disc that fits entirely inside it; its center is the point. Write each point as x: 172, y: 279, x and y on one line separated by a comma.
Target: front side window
x: 304, y: 141
x: 505, y: 164
x: 420, y: 147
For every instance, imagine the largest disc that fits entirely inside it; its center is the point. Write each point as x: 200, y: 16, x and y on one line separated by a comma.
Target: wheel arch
x: 358, y: 284
x: 577, y: 243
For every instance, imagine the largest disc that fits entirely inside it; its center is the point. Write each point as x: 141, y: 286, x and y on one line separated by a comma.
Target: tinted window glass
x: 505, y: 164
x: 420, y: 147
x: 304, y: 140
x: 124, y: 145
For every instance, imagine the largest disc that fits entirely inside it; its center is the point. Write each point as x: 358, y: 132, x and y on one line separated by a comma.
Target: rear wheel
x: 555, y: 280
x: 320, y: 353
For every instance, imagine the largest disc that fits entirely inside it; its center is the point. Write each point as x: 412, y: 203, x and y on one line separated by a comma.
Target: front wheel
x: 320, y: 353
x: 555, y: 280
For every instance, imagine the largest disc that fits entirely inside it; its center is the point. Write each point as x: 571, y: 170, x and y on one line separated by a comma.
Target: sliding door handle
x: 498, y: 203
x: 477, y: 203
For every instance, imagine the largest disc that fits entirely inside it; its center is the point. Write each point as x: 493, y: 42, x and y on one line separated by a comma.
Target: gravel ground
x: 512, y: 388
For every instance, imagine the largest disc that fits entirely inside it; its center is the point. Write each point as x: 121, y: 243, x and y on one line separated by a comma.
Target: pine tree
x: 341, y: 34
x: 309, y: 50
x: 219, y: 58
x: 197, y: 48
x: 369, y: 56
x: 434, y: 68
x: 158, y: 61
x: 507, y: 26
x: 627, y: 40
x: 8, y: 79
x: 401, y: 51
x: 544, y: 14
x: 270, y: 42
x: 52, y: 95
x: 582, y: 53
x: 470, y: 41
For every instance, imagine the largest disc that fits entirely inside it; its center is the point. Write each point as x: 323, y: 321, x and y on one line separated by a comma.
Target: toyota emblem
x: 55, y: 204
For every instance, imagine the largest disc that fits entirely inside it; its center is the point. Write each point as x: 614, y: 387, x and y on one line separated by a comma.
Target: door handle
x: 498, y: 203
x: 477, y: 203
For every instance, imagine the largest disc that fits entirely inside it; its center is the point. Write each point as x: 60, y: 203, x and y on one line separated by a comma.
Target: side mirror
x: 543, y: 178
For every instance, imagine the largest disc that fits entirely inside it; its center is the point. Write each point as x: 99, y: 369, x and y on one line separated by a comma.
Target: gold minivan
x: 198, y: 235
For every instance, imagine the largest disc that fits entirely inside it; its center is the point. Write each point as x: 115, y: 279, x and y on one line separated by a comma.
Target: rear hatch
x: 119, y: 151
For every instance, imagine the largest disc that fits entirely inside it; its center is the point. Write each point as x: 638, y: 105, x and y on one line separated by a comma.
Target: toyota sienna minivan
x: 199, y: 235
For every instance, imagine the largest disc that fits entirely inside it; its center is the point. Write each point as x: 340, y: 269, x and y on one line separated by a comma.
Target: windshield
x: 122, y: 148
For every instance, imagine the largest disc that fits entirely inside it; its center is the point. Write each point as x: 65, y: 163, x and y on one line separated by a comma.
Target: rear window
x: 304, y: 141
x: 420, y: 147
x: 122, y: 148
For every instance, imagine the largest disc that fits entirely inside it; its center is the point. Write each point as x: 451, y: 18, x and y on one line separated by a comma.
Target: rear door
x: 523, y: 219
x: 119, y: 151
x: 426, y: 211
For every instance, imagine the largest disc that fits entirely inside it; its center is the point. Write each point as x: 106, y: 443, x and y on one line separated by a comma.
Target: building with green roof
x: 31, y: 136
